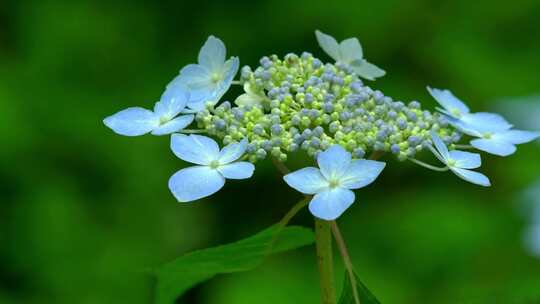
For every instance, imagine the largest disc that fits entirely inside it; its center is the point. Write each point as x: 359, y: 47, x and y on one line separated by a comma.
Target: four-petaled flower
x: 163, y: 120
x: 460, y: 162
x: 332, y: 183
x: 210, y: 79
x: 349, y: 52
x: 213, y: 166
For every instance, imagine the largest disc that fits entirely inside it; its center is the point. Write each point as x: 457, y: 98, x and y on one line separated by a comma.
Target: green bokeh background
x: 84, y: 212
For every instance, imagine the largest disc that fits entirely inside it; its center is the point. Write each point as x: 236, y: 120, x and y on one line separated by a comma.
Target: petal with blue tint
x: 361, y: 173
x: 237, y: 170
x: 494, y: 146
x: 485, y: 122
x: 330, y: 204
x: 450, y: 102
x: 328, y: 44
x: 195, y: 149
x: 350, y: 50
x: 334, y: 162
x: 367, y: 70
x: 232, y: 152
x: 172, y: 102
x: 174, y: 125
x: 132, y: 121
x: 193, y: 183
x: 472, y: 176
x: 466, y: 160
x: 307, y: 180
x: 196, y: 77
x: 516, y: 136
x: 440, y: 146
x: 212, y: 54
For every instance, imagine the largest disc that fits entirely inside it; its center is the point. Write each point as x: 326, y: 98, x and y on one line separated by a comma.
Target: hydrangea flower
x: 332, y: 182
x: 210, y: 79
x: 460, y: 115
x: 250, y: 97
x: 213, y: 166
x: 349, y: 52
x: 460, y: 162
x: 163, y: 120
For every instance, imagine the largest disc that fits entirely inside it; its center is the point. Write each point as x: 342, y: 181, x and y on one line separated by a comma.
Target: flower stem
x: 238, y: 82
x: 323, y: 239
x: 428, y: 166
x: 188, y: 131
x: 346, y: 259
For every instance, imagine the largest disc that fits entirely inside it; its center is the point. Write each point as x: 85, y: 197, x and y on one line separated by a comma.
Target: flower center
x: 333, y: 183
x: 216, y: 77
x: 451, y: 162
x: 163, y: 119
x: 214, y: 164
x: 455, y: 112
x: 488, y: 135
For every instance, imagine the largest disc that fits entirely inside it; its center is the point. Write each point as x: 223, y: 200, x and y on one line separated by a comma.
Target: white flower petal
x: 517, y: 136
x: 330, y: 204
x: 173, y: 101
x: 328, y: 44
x: 440, y: 146
x: 232, y: 152
x: 350, y: 50
x: 248, y: 100
x: 196, y: 77
x: 195, y: 149
x: 212, y: 54
x: 494, y: 146
x: 307, y: 180
x: 361, y: 173
x: 237, y: 170
x: 450, y: 102
x: 466, y: 160
x: 334, y: 162
x: 193, y: 183
x: 230, y: 69
x: 472, y: 176
x: 367, y: 70
x: 173, y: 125
x: 486, y: 122
x: 132, y: 121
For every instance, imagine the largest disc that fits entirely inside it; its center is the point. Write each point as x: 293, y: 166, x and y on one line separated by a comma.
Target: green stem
x: 323, y: 239
x: 428, y: 166
x: 346, y: 259
x: 190, y: 131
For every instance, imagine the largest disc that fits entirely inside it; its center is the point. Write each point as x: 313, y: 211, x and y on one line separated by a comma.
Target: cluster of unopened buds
x: 298, y: 103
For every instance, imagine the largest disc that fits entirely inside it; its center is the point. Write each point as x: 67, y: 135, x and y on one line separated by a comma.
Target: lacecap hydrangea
x: 300, y: 104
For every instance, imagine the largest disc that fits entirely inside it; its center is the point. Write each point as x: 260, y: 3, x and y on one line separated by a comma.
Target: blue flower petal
x: 196, y: 77
x: 230, y: 69
x: 350, y: 50
x: 232, y: 152
x: 328, y: 44
x: 237, y: 170
x: 494, y: 146
x: 132, y: 121
x: 486, y: 122
x: 334, y: 162
x: 212, y: 54
x: 174, y: 125
x: 172, y: 102
x: 466, y: 160
x: 367, y: 70
x: 330, y: 204
x: 361, y: 173
x: 517, y: 136
x: 441, y: 147
x: 307, y: 180
x: 195, y: 149
x: 193, y: 183
x: 472, y: 176
x: 449, y: 102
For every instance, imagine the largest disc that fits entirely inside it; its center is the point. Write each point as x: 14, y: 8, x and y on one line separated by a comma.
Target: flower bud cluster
x: 305, y: 104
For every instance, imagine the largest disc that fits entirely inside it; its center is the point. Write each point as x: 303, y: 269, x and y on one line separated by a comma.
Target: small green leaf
x: 347, y: 297
x: 176, y: 277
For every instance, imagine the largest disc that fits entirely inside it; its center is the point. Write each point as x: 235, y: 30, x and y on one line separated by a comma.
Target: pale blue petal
x: 232, y: 152
x: 193, y: 183
x: 174, y: 125
x: 195, y: 149
x: 367, y: 70
x: 330, y: 204
x: 450, y: 102
x: 172, y: 102
x: 238, y: 170
x: 307, y: 180
x: 466, y: 160
x: 361, y: 173
x: 486, y: 122
x: 334, y: 162
x: 132, y: 121
x: 472, y: 176
x: 350, y: 50
x: 212, y: 54
x: 517, y: 136
x: 440, y: 146
x: 494, y: 146
x: 231, y: 68
x: 328, y: 44
x: 463, y: 127
x: 196, y: 77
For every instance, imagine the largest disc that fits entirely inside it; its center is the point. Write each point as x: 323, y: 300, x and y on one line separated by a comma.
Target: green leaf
x: 176, y: 277
x: 347, y: 297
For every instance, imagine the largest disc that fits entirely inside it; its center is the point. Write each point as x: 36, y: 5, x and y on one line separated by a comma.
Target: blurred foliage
x: 84, y: 212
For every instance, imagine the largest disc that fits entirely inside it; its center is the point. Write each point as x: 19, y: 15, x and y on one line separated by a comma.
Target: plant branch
x: 346, y: 259
x: 323, y: 241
